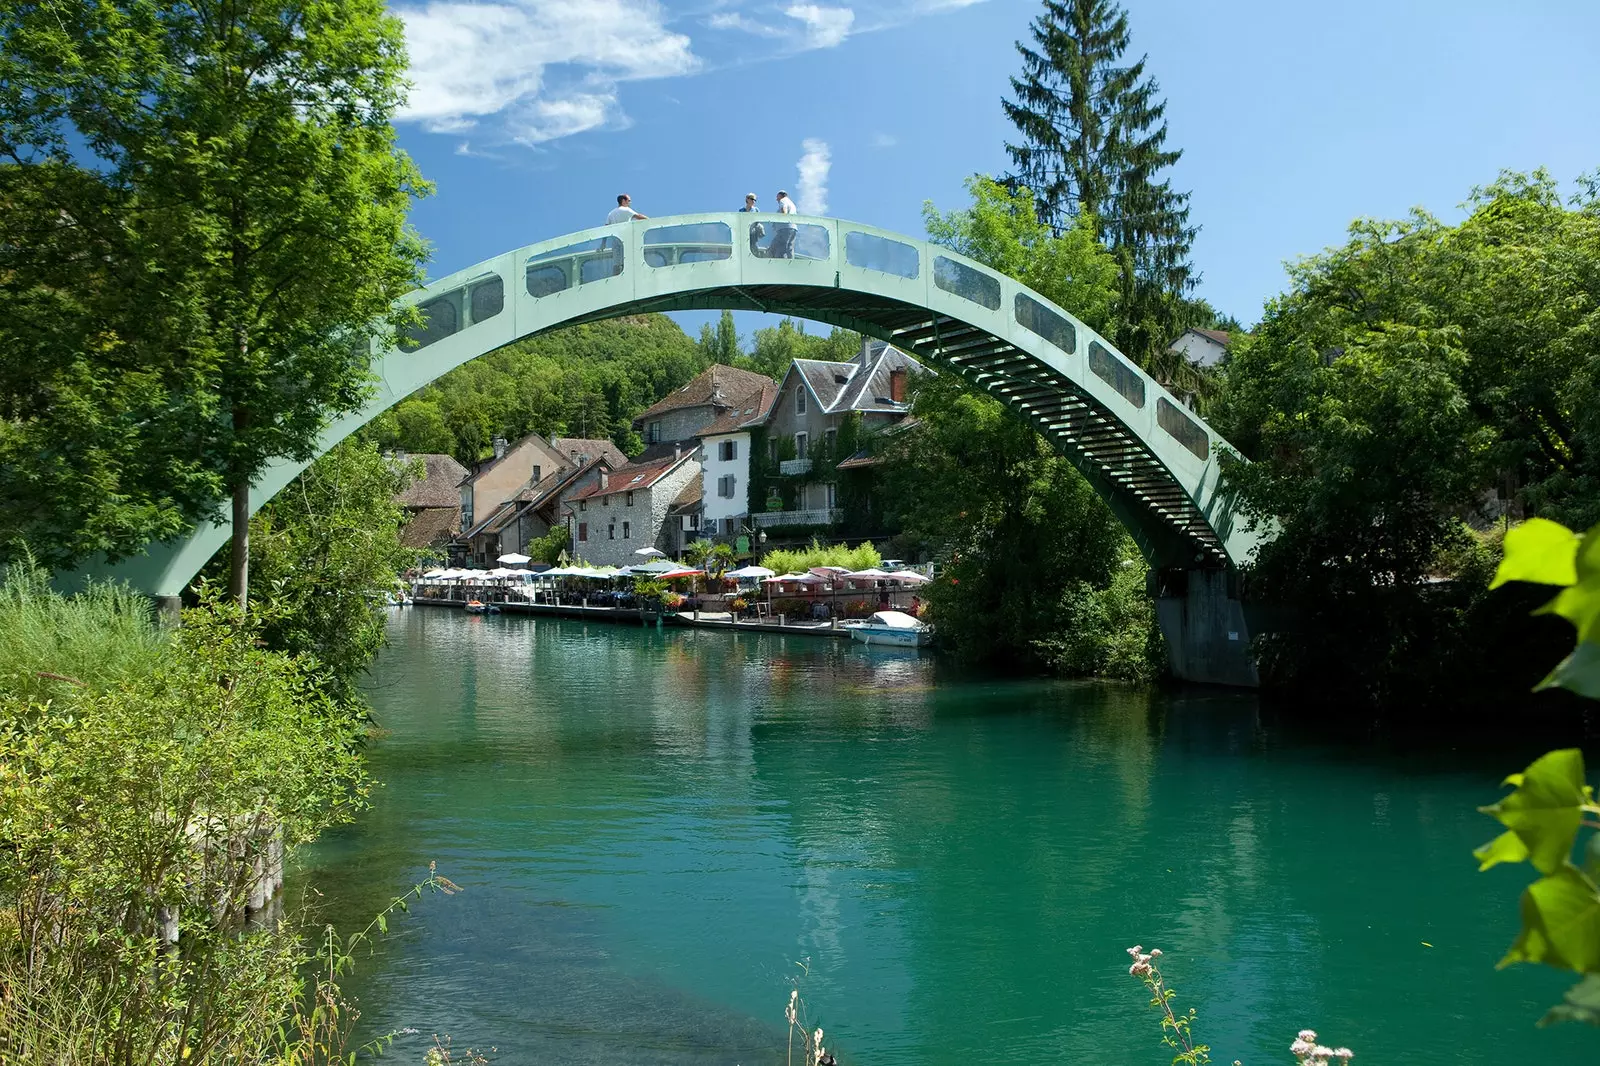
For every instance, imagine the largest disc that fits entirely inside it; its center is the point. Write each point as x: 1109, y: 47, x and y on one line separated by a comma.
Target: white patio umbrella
x: 910, y: 577
x: 871, y: 573
x: 649, y: 551
x: 513, y: 559
x: 750, y: 572
x: 432, y: 575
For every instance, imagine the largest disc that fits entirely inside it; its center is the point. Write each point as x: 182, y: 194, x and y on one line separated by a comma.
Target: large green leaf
x: 1507, y: 847
x: 1580, y: 602
x: 1578, y: 672
x: 1539, y: 551
x: 1547, y: 808
x: 1580, y: 1004
x: 1560, y: 923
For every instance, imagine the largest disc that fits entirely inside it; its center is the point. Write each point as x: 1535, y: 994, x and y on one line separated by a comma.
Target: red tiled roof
x: 724, y: 386
x: 632, y: 476
x: 751, y: 412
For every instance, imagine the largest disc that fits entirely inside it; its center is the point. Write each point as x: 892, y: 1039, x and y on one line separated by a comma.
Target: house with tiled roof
x: 531, y: 512
x: 579, y: 450
x: 822, y: 413
x: 496, y: 480
x: 683, y: 412
x: 1202, y: 347
x: 726, y: 446
x: 432, y: 501
x: 626, y: 509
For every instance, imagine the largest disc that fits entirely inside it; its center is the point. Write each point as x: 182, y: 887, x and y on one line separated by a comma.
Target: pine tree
x: 1093, y: 141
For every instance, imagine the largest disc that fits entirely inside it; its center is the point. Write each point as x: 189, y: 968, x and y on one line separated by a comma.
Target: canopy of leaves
x: 325, y: 552
x: 584, y: 381
x: 202, y: 214
x: 799, y: 560
x: 1409, y: 375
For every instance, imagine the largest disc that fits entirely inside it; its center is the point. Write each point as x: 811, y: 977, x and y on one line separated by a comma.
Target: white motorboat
x: 891, y: 627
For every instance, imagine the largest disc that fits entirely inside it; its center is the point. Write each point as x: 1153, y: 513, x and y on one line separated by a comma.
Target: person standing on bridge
x: 757, y: 230
x: 624, y: 211
x: 783, y: 239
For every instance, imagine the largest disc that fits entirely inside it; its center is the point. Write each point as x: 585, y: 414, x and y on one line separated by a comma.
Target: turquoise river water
x: 659, y: 832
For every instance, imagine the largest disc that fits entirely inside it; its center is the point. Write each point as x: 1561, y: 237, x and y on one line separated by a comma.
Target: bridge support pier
x: 1203, y: 624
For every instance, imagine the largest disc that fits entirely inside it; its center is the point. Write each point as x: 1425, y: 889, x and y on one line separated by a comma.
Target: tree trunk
x: 239, y: 570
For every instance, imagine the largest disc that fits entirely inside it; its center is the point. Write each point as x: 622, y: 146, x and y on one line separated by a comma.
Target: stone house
x: 803, y: 427
x: 432, y: 502
x: 682, y: 413
x: 626, y: 509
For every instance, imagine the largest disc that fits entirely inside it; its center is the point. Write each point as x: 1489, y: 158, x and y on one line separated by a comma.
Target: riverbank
x: 632, y: 616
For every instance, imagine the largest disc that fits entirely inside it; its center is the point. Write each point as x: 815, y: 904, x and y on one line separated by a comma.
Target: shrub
x: 148, y: 795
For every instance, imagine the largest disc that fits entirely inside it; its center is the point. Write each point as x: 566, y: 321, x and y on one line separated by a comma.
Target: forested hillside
x: 584, y: 381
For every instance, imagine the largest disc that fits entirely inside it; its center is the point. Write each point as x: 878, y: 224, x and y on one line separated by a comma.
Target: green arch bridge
x: 1153, y: 461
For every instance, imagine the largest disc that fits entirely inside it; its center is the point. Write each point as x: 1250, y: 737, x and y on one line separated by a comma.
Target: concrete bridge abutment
x: 1203, y: 623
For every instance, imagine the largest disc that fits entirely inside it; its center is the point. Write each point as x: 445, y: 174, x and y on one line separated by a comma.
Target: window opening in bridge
x: 693, y: 242
x: 967, y: 283
x: 881, y: 254
x: 1035, y: 316
x: 1116, y: 373
x: 441, y: 317
x: 1183, y: 429
x: 789, y: 240
x: 576, y: 264
x: 487, y: 298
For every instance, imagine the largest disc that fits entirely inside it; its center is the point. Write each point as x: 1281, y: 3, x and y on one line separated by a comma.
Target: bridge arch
x: 1154, y: 462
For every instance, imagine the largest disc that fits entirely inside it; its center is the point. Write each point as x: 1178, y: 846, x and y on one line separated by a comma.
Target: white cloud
x: 812, y: 191
x: 550, y: 67
x: 732, y: 20
x: 825, y: 26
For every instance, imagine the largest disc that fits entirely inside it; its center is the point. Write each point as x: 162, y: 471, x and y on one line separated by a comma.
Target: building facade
x: 725, y: 459
x: 818, y: 407
x: 626, y: 509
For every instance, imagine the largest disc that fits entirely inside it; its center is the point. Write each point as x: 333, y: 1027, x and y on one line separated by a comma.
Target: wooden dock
x: 634, y: 616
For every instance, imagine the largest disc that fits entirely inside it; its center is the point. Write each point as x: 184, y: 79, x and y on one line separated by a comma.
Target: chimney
x: 897, y: 384
x: 499, y: 447
x: 677, y: 450
x: 605, y: 478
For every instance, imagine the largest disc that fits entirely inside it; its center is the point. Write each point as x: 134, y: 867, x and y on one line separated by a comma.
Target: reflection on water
x: 655, y: 827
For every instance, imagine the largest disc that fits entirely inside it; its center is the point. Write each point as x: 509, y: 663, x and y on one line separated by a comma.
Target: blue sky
x: 1294, y: 118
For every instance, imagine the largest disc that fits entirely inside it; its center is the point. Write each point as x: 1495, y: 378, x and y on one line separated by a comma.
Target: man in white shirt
x: 624, y: 211
x: 783, y: 237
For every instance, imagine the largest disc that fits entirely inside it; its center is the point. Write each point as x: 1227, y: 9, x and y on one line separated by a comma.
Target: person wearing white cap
x: 757, y: 230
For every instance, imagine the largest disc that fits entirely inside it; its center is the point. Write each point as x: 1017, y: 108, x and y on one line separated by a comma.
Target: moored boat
x: 891, y: 627
x: 478, y: 607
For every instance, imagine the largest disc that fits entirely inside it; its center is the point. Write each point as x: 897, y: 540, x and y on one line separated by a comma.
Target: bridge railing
x: 584, y: 273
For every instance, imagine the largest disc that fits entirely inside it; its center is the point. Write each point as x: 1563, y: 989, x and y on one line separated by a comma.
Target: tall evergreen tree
x: 1093, y: 141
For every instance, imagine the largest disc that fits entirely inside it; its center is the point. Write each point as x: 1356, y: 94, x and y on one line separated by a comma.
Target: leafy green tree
x: 327, y: 552
x: 1407, y: 377
x: 244, y: 153
x: 584, y: 381
x: 1092, y: 141
x: 720, y: 344
x: 1001, y: 230
x: 1031, y: 554
x: 778, y: 346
